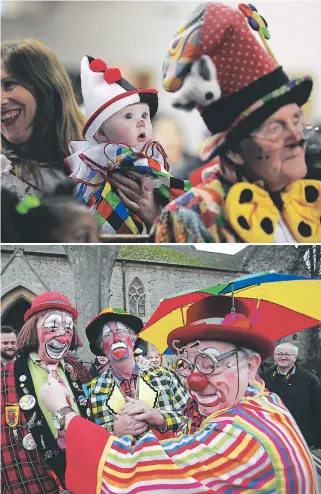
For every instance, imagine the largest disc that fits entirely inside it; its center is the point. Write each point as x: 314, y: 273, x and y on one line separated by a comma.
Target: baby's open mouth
x: 142, y: 135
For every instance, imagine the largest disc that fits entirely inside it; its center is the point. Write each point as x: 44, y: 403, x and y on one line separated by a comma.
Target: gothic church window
x: 136, y: 297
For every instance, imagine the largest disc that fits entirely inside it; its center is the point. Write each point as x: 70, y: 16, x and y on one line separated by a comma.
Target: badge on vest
x: 12, y: 415
x: 29, y: 443
x: 27, y: 402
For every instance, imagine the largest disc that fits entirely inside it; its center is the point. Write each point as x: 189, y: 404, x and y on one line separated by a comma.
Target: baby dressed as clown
x: 118, y: 136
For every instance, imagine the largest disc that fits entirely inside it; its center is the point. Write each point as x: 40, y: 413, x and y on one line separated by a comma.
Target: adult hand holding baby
x: 138, y: 199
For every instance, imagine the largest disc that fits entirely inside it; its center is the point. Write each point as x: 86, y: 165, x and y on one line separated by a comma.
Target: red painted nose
x: 197, y: 381
x: 62, y: 339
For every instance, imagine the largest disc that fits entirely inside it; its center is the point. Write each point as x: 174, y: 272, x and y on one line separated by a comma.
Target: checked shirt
x: 158, y: 387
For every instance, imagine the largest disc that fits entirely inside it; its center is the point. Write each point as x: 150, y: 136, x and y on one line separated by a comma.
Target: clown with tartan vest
x: 123, y: 174
x: 258, y: 193
x: 113, y: 334
x: 33, y: 459
x: 247, y: 442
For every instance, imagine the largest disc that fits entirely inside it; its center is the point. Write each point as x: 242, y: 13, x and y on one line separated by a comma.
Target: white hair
x: 295, y: 348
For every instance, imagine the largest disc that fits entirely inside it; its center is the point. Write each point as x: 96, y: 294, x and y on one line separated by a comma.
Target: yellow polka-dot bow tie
x: 254, y: 216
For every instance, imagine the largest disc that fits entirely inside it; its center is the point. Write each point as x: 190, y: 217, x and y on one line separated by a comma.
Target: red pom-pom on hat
x: 112, y: 75
x: 98, y: 65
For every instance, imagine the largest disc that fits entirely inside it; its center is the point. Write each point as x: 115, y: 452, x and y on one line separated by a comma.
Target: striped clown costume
x: 248, y: 442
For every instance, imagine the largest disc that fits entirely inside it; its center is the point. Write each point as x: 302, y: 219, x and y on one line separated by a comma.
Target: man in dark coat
x: 299, y: 389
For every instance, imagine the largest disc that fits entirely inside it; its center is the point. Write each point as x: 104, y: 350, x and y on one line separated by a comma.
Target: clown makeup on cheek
x: 216, y: 377
x: 117, y: 341
x: 275, y: 152
x: 55, y: 331
x: 276, y: 163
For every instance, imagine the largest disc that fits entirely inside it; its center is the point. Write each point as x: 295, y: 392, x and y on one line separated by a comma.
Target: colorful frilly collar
x: 91, y: 166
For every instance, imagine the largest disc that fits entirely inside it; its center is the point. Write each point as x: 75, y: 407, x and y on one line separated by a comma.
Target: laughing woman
x: 39, y: 115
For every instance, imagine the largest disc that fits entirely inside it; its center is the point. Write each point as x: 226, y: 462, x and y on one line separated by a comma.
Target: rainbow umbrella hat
x: 287, y: 304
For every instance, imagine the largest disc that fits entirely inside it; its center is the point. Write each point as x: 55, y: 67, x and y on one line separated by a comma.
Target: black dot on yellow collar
x: 311, y: 193
x: 267, y: 225
x: 246, y: 196
x: 304, y: 229
x: 243, y: 223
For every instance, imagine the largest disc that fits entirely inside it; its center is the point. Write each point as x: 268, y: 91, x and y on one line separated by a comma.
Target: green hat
x: 110, y: 314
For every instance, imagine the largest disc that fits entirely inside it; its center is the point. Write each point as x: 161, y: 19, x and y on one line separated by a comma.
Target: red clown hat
x: 50, y: 300
x: 211, y: 319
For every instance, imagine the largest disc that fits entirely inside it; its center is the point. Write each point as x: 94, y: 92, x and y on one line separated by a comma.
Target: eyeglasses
x: 285, y: 355
x: 279, y: 129
x: 120, y: 332
x: 204, y: 362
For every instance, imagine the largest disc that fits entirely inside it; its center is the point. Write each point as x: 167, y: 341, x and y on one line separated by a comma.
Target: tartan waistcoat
x: 158, y: 388
x: 28, y: 471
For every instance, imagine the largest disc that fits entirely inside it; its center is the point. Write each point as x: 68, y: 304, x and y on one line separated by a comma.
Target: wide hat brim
x: 94, y: 327
x: 244, y: 337
x: 46, y: 306
x: 295, y: 91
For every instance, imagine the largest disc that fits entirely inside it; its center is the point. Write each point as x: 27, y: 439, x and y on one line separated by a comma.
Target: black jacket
x: 301, y: 394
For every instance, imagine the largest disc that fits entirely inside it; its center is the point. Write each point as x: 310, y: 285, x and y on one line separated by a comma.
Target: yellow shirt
x: 39, y: 377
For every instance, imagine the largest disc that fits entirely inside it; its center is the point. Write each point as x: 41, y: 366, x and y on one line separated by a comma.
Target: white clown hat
x: 105, y: 93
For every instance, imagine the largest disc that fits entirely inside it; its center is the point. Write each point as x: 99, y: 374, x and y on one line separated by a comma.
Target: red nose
x: 197, y: 381
x: 62, y: 339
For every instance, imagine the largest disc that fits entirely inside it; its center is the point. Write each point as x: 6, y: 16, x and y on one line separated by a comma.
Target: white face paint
x: 55, y: 320
x: 115, y: 327
x: 117, y: 341
x: 55, y: 332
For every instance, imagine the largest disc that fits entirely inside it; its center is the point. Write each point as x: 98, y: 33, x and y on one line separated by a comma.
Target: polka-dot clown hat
x: 216, y: 63
x: 106, y: 92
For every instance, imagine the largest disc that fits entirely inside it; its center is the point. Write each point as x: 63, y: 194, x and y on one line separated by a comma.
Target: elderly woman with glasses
x: 247, y: 442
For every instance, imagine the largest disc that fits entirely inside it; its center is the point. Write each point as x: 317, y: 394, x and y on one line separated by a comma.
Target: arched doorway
x: 14, y: 305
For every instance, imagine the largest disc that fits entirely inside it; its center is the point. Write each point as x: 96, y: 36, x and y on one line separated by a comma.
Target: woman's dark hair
x: 58, y: 118
x: 40, y: 224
